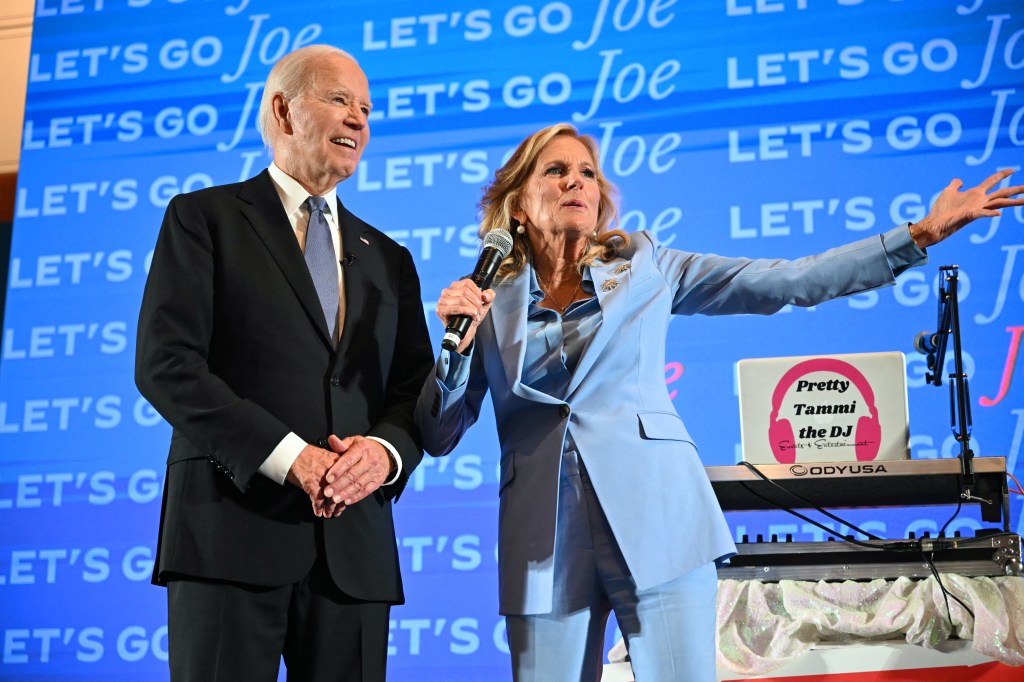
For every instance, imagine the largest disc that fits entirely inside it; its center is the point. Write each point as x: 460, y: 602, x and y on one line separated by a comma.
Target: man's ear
x: 281, y: 113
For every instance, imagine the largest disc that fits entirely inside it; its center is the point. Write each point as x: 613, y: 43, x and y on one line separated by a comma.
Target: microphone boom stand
x: 959, y: 391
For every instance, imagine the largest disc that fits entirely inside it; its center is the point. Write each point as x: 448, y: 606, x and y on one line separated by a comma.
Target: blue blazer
x: 643, y: 464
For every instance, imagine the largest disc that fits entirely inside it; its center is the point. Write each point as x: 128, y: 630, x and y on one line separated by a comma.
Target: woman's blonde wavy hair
x: 501, y: 199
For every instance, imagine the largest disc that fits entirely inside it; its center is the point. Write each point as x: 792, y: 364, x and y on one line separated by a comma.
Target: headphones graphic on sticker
x: 869, y: 432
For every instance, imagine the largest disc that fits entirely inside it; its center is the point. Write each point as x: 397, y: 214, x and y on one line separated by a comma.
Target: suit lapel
x: 509, y: 318
x: 357, y: 252
x: 263, y: 210
x: 611, y: 286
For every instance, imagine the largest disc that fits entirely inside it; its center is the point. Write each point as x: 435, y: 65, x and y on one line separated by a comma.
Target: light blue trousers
x: 669, y: 629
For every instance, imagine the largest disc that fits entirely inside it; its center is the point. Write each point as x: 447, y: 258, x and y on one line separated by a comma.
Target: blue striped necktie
x: 322, y: 261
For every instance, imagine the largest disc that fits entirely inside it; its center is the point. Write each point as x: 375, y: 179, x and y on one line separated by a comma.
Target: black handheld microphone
x: 497, y: 245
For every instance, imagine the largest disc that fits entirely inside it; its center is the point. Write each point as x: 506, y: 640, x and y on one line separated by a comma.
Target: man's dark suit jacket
x: 233, y: 351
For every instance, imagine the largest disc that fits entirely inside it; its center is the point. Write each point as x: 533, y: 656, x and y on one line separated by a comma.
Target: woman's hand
x: 954, y: 209
x: 465, y: 298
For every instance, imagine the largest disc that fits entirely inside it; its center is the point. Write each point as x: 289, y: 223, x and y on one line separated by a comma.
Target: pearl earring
x: 520, y: 229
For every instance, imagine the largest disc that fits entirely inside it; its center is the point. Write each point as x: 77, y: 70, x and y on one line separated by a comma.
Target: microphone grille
x: 499, y: 239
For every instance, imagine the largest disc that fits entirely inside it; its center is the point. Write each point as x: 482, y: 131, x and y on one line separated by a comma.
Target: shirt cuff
x: 394, y: 455
x: 279, y: 463
x: 901, y: 251
x: 453, y: 368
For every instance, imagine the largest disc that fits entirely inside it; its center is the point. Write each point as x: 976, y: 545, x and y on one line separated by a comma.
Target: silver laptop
x: 824, y: 408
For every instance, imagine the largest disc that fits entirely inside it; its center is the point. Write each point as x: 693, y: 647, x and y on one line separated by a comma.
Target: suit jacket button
x: 563, y: 410
x: 322, y: 442
x: 335, y: 381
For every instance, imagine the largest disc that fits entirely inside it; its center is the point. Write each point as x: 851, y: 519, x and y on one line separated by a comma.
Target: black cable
x: 946, y: 594
x: 805, y: 501
x: 940, y: 543
x: 959, y: 504
x: 830, y: 531
x: 917, y: 545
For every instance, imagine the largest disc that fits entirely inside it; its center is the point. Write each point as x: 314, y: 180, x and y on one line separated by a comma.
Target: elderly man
x: 284, y: 341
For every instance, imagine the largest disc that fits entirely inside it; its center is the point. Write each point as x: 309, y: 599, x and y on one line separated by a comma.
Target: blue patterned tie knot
x: 322, y: 261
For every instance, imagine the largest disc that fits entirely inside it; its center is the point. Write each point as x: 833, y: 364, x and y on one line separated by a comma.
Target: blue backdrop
x: 744, y: 127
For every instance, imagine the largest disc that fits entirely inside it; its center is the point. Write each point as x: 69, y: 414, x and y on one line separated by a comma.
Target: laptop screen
x: 825, y: 408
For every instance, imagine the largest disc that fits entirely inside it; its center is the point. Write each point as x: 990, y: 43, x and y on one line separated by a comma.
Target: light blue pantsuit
x: 613, y: 409
x: 566, y: 644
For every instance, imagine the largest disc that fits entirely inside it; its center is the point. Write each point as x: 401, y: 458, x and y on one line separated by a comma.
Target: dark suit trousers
x: 223, y: 631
